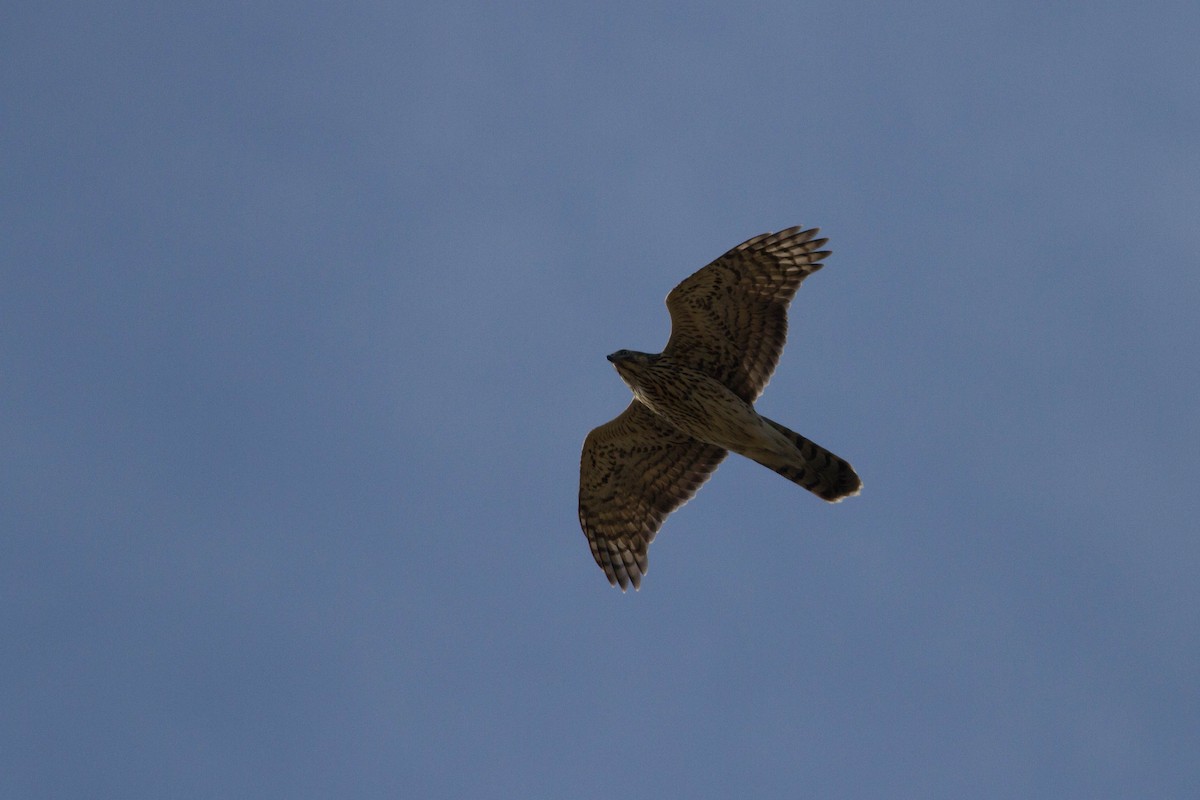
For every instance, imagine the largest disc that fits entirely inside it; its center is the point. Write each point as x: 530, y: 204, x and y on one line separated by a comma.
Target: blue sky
x: 303, y: 317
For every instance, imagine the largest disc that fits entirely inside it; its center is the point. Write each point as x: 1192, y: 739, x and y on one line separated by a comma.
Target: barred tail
x: 815, y: 468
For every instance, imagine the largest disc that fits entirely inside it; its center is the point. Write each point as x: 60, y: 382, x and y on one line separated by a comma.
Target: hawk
x: 693, y: 403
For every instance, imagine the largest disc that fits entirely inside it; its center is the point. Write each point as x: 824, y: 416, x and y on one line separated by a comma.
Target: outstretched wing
x: 729, y: 320
x: 634, y: 471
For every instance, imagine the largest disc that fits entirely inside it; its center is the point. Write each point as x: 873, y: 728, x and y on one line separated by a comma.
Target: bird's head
x: 629, y: 362
x: 629, y: 357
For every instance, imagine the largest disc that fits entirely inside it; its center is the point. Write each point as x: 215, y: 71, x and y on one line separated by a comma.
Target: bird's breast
x: 697, y: 404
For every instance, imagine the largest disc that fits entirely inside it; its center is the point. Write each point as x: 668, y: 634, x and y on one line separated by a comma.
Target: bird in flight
x: 693, y: 403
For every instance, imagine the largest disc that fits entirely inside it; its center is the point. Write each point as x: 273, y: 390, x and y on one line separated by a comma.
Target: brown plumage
x: 693, y: 403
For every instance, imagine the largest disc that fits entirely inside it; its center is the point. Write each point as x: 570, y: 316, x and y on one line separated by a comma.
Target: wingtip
x: 625, y: 581
x: 620, y: 566
x: 626, y: 578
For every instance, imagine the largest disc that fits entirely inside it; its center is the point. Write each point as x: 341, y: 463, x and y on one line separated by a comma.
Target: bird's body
x: 694, y: 402
x: 703, y: 408
x: 697, y: 404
